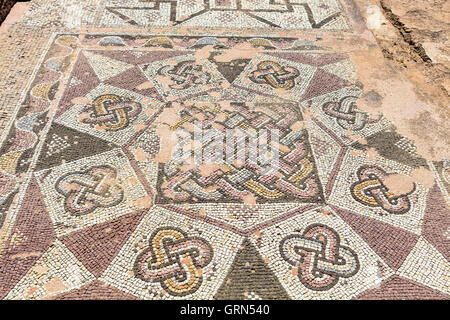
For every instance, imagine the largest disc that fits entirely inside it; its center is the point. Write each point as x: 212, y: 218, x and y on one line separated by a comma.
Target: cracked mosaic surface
x: 89, y: 208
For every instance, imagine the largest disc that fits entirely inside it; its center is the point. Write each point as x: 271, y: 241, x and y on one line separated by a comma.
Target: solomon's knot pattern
x: 346, y: 114
x: 275, y: 75
x: 185, y: 74
x: 371, y: 191
x: 174, y: 260
x: 85, y: 191
x: 319, y: 256
x: 111, y: 112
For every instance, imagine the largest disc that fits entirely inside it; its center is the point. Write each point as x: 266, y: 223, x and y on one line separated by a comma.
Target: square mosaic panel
x: 210, y: 251
x: 305, y: 248
x: 90, y: 191
x: 232, y: 181
x: 362, y: 189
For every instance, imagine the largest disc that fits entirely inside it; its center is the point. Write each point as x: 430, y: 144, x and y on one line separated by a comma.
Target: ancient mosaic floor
x: 91, y: 206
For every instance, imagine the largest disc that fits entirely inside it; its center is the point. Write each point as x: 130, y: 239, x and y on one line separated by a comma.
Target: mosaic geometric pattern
x: 234, y: 181
x: 320, y: 257
x: 97, y: 201
x: 286, y: 14
x: 174, y: 260
x: 208, y: 14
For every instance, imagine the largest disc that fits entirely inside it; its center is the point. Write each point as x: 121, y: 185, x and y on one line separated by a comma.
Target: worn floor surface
x: 93, y: 204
